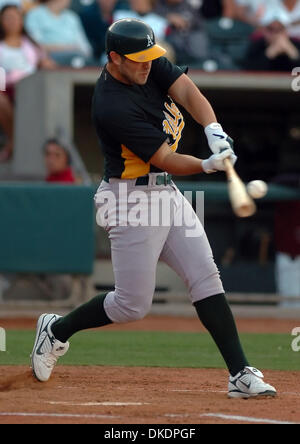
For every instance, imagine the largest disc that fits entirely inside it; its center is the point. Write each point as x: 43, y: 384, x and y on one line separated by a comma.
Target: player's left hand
x: 218, y: 140
x: 216, y: 161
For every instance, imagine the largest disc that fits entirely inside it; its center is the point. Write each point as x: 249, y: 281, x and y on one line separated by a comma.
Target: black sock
x: 215, y: 314
x: 89, y: 315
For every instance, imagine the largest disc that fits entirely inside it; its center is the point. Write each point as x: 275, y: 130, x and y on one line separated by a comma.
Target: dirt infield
x: 114, y: 395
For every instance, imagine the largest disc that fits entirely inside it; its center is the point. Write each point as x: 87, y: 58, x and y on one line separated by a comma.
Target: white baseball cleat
x: 46, y: 349
x: 249, y: 383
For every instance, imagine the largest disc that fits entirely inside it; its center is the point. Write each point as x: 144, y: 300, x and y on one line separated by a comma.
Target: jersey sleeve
x: 165, y: 73
x: 130, y: 128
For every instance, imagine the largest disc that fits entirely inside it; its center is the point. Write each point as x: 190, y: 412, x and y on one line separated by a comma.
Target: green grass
x: 157, y: 349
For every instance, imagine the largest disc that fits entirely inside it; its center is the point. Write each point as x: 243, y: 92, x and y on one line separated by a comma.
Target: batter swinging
x: 140, y: 127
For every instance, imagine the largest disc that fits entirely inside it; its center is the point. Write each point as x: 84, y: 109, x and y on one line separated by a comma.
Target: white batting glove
x: 218, y: 140
x: 216, y: 161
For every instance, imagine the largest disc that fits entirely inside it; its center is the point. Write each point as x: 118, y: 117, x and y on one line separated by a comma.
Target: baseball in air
x: 257, y: 189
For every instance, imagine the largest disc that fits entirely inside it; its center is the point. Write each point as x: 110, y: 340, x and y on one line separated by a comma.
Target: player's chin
x: 142, y: 80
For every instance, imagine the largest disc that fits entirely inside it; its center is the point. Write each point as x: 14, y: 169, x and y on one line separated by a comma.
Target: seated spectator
x: 253, y: 11
x: 59, y: 31
x: 58, y: 162
x: 227, y: 33
x: 186, y: 32
x: 261, y: 13
x: 271, y: 47
x: 20, y: 56
x: 96, y: 18
x: 292, y: 8
x: 273, y: 50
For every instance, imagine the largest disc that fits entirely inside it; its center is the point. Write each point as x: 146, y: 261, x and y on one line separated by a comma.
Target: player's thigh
x: 135, y: 252
x: 188, y: 252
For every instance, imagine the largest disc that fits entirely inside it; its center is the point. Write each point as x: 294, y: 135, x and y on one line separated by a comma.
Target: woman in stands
x: 59, y: 31
x: 20, y: 56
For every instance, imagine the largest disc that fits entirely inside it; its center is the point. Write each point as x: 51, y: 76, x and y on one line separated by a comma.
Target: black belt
x: 162, y: 179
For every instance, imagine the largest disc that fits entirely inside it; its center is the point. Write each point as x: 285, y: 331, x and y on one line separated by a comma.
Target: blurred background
x: 242, y: 54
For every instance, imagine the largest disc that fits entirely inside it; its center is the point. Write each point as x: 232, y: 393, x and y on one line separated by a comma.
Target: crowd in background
x: 205, y: 34
x: 256, y: 35
x: 235, y: 34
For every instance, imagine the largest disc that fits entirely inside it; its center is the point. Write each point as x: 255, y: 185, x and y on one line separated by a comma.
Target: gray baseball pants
x: 145, y: 224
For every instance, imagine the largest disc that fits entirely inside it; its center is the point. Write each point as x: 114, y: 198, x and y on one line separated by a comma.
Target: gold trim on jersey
x: 173, y: 124
x: 134, y: 166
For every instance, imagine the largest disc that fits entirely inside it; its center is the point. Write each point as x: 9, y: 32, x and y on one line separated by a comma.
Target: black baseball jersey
x: 133, y: 121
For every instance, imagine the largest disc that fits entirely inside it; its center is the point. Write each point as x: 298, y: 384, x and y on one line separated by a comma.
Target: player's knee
x: 124, y: 315
x: 207, y: 291
x: 140, y: 310
x: 207, y: 285
x: 123, y: 311
x: 138, y: 313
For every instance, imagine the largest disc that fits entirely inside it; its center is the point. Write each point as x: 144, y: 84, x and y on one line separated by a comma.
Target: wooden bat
x: 242, y: 204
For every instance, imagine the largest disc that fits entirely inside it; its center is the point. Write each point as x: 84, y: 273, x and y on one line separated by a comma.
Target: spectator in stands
x: 186, y: 32
x: 59, y: 31
x: 228, y: 35
x: 272, y: 49
x: 292, y: 8
x: 96, y: 18
x: 58, y: 162
x: 262, y: 13
x: 20, y: 56
x: 253, y: 11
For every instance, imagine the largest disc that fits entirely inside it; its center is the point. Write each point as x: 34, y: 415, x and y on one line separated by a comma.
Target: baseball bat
x: 242, y: 204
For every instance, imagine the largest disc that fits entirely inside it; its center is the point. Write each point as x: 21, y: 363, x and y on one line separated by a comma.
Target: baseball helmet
x: 133, y: 39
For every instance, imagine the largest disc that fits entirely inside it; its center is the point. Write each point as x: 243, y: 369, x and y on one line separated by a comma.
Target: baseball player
x: 140, y: 127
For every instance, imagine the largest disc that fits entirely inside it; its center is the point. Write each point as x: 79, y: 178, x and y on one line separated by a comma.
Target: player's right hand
x: 216, y: 161
x: 217, y: 139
